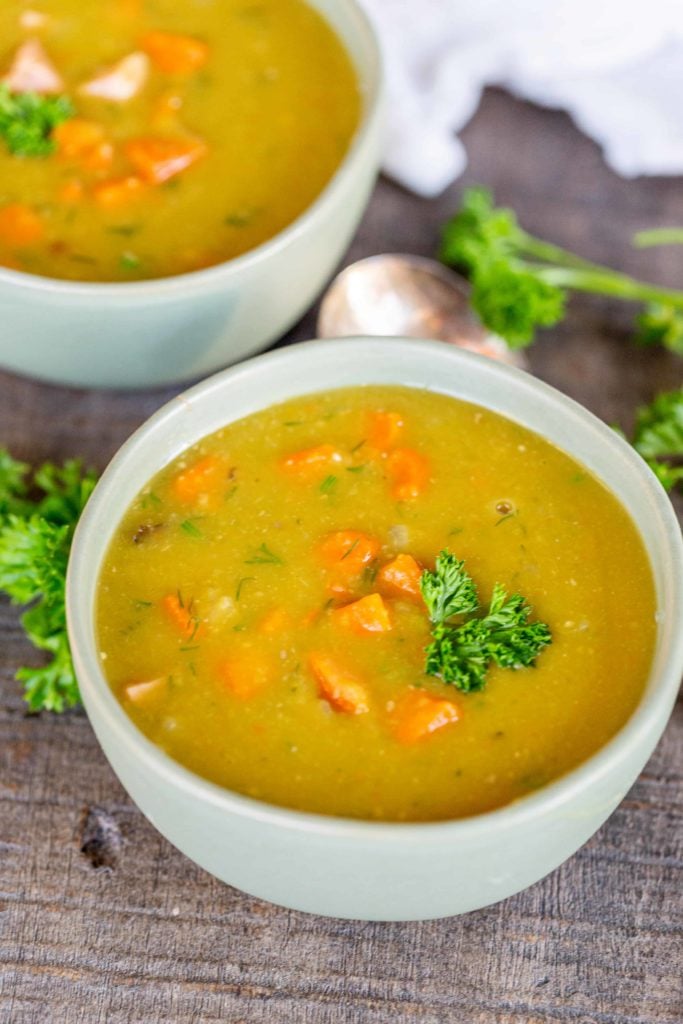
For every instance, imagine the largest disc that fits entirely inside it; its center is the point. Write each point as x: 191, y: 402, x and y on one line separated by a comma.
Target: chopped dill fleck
x: 245, y: 579
x: 189, y: 527
x: 264, y: 556
x: 328, y: 484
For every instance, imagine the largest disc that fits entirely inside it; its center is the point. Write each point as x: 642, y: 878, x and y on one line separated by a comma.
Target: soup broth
x: 258, y: 618
x: 240, y: 113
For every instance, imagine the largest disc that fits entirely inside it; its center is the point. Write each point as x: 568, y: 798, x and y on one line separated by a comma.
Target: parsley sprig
x: 520, y: 282
x: 27, y: 121
x: 461, y: 653
x: 38, y: 514
x: 658, y: 437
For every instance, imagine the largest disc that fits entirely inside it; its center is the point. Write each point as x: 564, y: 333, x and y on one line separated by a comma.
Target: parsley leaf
x: 449, y: 590
x: 38, y: 514
x: 520, y: 282
x: 462, y: 654
x: 27, y: 121
x: 658, y: 437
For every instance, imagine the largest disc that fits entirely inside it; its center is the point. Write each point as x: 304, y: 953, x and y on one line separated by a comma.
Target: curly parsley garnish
x: 520, y: 282
x: 38, y: 514
x: 27, y: 121
x: 658, y: 437
x: 462, y: 652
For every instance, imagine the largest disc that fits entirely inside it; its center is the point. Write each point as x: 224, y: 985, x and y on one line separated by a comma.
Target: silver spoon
x: 410, y: 296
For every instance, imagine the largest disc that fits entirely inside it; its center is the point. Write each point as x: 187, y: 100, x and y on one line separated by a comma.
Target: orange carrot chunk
x: 118, y: 191
x: 401, y: 578
x: 20, y: 225
x: 175, y: 54
x: 368, y: 615
x: 312, y: 461
x: 274, y: 621
x: 418, y: 714
x: 84, y: 142
x: 409, y: 473
x: 71, y: 191
x: 157, y: 158
x: 245, y: 674
x: 384, y: 430
x: 348, y: 551
x: 201, y: 482
x: 181, y: 616
x: 337, y: 686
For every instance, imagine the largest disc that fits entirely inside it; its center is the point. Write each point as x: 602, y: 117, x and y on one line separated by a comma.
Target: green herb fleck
x: 245, y: 579
x: 350, y: 549
x: 190, y: 528
x: 129, y: 261
x: 263, y: 556
x: 356, y: 469
x: 328, y: 484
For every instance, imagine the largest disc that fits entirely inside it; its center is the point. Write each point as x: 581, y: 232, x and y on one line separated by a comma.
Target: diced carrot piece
x: 76, y: 136
x: 175, y: 54
x: 246, y: 673
x: 346, y: 554
x: 401, y: 578
x: 201, y: 482
x: 71, y: 191
x: 384, y: 430
x: 85, y: 142
x: 418, y: 714
x: 182, y: 616
x: 118, y: 191
x: 409, y: 472
x: 157, y: 159
x: 20, y: 225
x: 121, y: 82
x: 99, y: 158
x: 147, y: 691
x: 274, y: 621
x: 368, y: 615
x: 337, y: 686
x: 33, y: 71
x: 310, y: 462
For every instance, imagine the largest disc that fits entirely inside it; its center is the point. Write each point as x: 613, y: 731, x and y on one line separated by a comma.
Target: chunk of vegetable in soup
x: 261, y: 616
x: 146, y: 138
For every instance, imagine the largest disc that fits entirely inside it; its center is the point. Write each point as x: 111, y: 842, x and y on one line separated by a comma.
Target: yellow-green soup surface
x: 260, y: 96
x: 221, y: 628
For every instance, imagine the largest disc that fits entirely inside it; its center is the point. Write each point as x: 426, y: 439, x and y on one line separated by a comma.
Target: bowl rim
x: 639, y: 728
x: 212, y: 277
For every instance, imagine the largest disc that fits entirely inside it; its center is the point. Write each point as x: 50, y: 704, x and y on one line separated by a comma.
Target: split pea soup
x: 147, y: 138
x: 261, y: 615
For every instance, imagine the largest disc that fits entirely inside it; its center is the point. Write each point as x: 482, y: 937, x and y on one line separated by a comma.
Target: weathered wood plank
x: 156, y: 939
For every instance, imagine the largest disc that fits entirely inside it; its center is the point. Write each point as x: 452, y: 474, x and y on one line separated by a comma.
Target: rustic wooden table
x: 155, y: 939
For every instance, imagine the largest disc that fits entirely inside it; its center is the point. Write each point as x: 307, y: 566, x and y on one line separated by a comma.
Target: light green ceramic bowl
x: 149, y: 333
x: 358, y: 869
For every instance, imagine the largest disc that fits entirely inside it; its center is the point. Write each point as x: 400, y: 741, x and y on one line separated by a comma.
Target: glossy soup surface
x: 219, y: 605
x: 267, y: 109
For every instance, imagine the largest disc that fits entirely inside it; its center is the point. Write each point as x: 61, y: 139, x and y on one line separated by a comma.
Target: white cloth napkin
x: 615, y: 65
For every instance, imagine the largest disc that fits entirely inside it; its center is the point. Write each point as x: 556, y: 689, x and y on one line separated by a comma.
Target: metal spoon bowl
x: 408, y: 296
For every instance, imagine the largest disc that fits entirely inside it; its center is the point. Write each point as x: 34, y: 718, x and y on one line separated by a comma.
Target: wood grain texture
x: 155, y: 939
